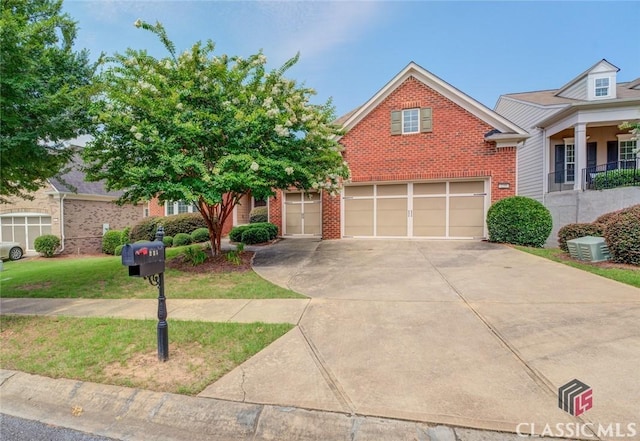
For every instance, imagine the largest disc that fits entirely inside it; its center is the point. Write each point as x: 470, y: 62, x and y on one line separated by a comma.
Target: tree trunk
x: 215, y: 216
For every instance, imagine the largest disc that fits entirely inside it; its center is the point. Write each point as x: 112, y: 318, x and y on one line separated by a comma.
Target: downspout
x: 62, y: 196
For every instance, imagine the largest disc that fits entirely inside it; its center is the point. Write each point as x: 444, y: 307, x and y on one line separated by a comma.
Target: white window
x: 628, y: 150
x: 411, y: 121
x: 179, y: 207
x: 24, y: 228
x: 601, y: 87
x: 570, y: 162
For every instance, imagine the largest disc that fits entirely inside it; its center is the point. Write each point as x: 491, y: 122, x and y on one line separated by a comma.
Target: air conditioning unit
x: 589, y: 248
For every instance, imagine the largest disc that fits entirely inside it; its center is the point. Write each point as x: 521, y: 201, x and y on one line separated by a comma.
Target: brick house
x: 76, y: 211
x: 426, y: 161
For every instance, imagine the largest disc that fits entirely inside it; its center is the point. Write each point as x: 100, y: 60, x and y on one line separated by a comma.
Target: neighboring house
x: 426, y: 161
x: 77, y: 211
x: 574, y: 138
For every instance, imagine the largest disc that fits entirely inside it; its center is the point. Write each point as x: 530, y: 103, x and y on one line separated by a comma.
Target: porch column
x: 580, y: 142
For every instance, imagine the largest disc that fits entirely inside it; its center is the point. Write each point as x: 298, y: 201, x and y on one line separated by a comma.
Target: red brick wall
x: 156, y: 208
x: 275, y: 211
x: 454, y: 149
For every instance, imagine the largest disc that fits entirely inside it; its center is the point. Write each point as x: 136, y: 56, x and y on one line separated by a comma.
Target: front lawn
x: 107, y: 278
x: 621, y: 273
x: 124, y: 352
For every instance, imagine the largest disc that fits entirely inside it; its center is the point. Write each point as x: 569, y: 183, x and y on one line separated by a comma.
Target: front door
x: 303, y: 214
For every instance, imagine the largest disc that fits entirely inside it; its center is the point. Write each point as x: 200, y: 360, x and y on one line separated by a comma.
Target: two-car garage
x: 450, y: 209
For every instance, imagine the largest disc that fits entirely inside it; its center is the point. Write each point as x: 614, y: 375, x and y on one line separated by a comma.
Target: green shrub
x: 259, y: 215
x: 181, y: 239
x: 168, y: 241
x: 271, y: 228
x: 616, y: 178
x: 195, y: 255
x: 182, y: 223
x: 125, y: 236
x: 255, y: 235
x: 622, y: 235
x: 574, y: 231
x: 145, y: 229
x: 233, y: 257
x: 110, y: 240
x: 200, y: 235
x: 519, y: 220
x: 235, y: 235
x: 47, y: 244
x: 118, y: 250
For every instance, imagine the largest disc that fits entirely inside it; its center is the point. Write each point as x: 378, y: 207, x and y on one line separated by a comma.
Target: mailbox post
x: 146, y: 259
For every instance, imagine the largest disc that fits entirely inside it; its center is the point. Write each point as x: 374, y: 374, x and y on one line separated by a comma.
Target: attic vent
x: 590, y: 248
x: 411, y: 105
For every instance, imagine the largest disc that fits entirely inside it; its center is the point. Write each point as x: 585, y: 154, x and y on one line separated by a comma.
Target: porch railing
x: 611, y: 175
x: 598, y: 177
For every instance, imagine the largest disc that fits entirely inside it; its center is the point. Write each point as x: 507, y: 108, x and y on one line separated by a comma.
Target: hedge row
x: 620, y: 229
x: 177, y: 223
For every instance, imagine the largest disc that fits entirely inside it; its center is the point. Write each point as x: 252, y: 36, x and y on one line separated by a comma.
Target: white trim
x: 443, y: 88
x: 413, y: 109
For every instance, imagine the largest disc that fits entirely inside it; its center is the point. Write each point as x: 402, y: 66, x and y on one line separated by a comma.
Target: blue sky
x: 351, y: 49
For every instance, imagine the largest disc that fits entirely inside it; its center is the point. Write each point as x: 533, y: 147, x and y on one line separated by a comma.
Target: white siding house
x: 575, y: 142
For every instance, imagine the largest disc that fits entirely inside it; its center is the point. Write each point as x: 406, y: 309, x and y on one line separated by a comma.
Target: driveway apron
x: 453, y: 332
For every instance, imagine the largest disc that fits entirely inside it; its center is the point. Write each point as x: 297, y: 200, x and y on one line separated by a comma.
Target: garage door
x: 302, y: 214
x: 454, y: 209
x: 24, y: 228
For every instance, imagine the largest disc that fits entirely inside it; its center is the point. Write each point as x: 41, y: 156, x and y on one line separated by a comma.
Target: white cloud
x: 313, y: 28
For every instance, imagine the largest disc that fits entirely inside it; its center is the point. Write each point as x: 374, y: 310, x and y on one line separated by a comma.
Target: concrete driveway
x: 454, y: 332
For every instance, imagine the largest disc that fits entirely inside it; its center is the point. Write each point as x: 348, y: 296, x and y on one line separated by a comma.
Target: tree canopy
x: 44, y: 85
x: 208, y: 129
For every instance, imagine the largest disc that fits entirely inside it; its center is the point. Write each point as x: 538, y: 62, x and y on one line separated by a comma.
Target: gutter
x: 62, y: 196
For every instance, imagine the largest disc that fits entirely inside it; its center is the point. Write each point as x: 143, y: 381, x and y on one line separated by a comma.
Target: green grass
x: 628, y: 276
x: 107, y: 278
x: 124, y: 352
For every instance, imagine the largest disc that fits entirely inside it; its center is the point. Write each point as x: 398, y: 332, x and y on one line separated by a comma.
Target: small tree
x: 209, y: 129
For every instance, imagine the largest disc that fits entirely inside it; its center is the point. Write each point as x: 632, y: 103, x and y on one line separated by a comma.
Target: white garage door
x: 302, y: 214
x: 24, y: 228
x: 453, y: 209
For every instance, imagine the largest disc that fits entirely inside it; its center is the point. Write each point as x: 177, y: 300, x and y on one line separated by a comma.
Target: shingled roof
x: 73, y: 180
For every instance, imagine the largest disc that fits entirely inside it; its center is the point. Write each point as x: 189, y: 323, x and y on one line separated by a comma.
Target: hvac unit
x: 590, y: 248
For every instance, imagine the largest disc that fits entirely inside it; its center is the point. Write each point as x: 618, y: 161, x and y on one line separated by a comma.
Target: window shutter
x: 426, y: 124
x: 396, y: 122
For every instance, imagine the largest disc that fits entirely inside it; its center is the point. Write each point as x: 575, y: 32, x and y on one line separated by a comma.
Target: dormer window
x: 602, y: 87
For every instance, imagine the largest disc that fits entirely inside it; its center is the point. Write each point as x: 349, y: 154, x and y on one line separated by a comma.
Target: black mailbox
x: 144, y: 258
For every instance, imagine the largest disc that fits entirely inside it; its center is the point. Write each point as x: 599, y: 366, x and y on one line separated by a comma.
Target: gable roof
x: 72, y: 180
x: 474, y: 107
x: 602, y: 65
x: 624, y: 91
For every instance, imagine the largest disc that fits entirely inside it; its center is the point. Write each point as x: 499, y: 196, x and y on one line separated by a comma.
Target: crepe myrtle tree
x: 208, y: 129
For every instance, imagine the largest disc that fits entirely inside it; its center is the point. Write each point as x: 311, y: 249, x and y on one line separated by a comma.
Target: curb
x: 133, y: 414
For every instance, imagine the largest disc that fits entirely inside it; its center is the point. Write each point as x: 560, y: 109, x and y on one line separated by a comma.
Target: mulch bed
x: 213, y: 264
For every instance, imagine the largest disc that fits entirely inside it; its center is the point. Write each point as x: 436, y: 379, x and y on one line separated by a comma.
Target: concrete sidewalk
x: 399, y: 339
x: 209, y: 310
x: 132, y: 414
